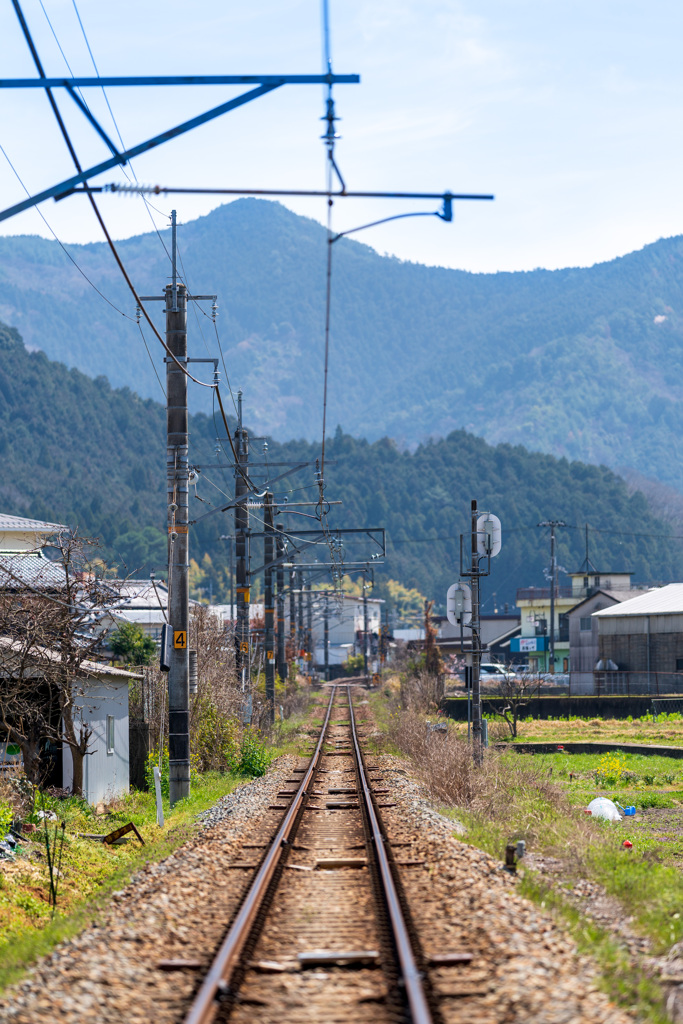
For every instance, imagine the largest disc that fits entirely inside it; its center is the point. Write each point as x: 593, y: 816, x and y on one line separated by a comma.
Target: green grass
x: 648, y: 769
x: 91, y: 871
x: 619, y: 979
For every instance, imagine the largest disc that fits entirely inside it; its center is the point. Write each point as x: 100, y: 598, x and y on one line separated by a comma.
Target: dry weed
x: 521, y: 799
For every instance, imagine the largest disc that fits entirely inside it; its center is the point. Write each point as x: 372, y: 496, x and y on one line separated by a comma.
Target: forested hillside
x: 77, y: 451
x: 584, y: 363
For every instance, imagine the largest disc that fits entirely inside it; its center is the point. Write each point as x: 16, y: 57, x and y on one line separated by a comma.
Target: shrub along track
x: 485, y: 953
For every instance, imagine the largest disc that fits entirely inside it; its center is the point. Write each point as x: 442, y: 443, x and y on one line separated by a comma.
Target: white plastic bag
x: 601, y: 807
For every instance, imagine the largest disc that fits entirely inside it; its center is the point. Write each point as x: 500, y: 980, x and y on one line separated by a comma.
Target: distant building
x: 583, y: 638
x: 496, y: 633
x: 533, y: 643
x: 534, y: 604
x: 23, y: 562
x: 643, y: 638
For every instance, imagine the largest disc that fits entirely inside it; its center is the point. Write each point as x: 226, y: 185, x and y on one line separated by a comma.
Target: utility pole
x: 269, y: 610
x: 300, y: 624
x: 326, y: 635
x: 553, y: 524
x: 282, y: 669
x: 177, y: 475
x: 242, y: 554
x: 365, y: 627
x: 476, y: 640
x: 309, y: 628
x: 292, y: 610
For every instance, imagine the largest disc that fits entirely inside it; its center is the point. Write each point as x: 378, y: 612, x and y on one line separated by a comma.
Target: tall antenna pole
x: 476, y: 639
x: 553, y: 524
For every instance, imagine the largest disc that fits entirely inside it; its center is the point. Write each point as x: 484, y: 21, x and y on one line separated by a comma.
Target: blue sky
x: 569, y: 113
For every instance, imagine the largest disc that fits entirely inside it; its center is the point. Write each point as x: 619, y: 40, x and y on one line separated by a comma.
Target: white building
x: 103, y: 707
x: 103, y: 703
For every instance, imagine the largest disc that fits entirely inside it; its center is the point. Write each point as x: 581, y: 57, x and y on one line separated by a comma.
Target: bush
x: 215, y: 738
x: 131, y: 644
x: 254, y: 756
x: 6, y: 817
x: 354, y: 664
x: 150, y: 764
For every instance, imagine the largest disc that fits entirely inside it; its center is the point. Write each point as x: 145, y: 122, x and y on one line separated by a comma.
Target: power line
x: 61, y: 244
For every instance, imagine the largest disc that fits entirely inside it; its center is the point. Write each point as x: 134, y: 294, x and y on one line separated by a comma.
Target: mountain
x: 77, y: 451
x: 584, y: 363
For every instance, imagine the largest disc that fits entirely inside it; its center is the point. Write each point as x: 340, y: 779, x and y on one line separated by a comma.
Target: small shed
x: 104, y: 707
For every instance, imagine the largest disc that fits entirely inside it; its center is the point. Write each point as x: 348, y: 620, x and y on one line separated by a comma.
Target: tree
x: 50, y: 635
x: 131, y: 644
x: 513, y: 694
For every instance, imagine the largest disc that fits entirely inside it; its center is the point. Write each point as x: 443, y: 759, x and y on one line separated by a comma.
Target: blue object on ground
x: 630, y: 811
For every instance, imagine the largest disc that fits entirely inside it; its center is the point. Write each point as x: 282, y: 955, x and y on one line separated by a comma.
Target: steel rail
x: 410, y: 974
x: 206, y: 1002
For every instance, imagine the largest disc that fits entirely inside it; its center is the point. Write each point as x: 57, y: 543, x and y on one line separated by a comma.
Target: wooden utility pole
x: 178, y: 555
x: 282, y: 668
x: 269, y: 610
x: 242, y: 557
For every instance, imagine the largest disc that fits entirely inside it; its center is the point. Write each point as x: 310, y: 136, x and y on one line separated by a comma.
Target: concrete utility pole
x: 476, y: 641
x: 553, y: 524
x: 269, y: 610
x: 326, y: 635
x: 242, y: 558
x: 178, y: 556
x: 309, y: 629
x: 292, y: 611
x: 282, y: 669
x: 365, y: 627
x: 300, y: 639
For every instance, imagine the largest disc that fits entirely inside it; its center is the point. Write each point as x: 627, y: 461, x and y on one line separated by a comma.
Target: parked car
x: 555, y: 678
x: 489, y: 672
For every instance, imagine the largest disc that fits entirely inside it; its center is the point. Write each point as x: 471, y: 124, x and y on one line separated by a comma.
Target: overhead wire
x: 67, y: 139
x: 60, y: 243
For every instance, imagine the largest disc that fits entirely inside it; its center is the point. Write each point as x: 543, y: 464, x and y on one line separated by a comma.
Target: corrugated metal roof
x: 666, y: 600
x: 29, y: 525
x: 87, y: 667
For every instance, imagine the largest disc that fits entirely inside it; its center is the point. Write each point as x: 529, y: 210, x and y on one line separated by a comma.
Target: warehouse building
x: 640, y: 643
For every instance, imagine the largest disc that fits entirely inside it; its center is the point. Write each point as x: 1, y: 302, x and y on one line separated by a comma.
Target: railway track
x: 322, y: 932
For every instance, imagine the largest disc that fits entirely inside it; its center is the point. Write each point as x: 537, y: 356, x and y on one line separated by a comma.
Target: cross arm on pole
x: 69, y: 184
x: 145, y: 80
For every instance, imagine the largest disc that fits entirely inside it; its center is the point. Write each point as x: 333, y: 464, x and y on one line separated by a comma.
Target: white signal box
x: 488, y: 535
x: 459, y: 605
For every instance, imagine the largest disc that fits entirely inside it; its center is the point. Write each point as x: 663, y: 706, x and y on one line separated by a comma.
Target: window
x: 679, y: 664
x: 110, y: 734
x: 585, y: 624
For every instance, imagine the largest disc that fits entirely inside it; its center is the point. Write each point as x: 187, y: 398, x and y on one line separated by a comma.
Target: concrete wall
x: 105, y: 774
x: 562, y: 707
